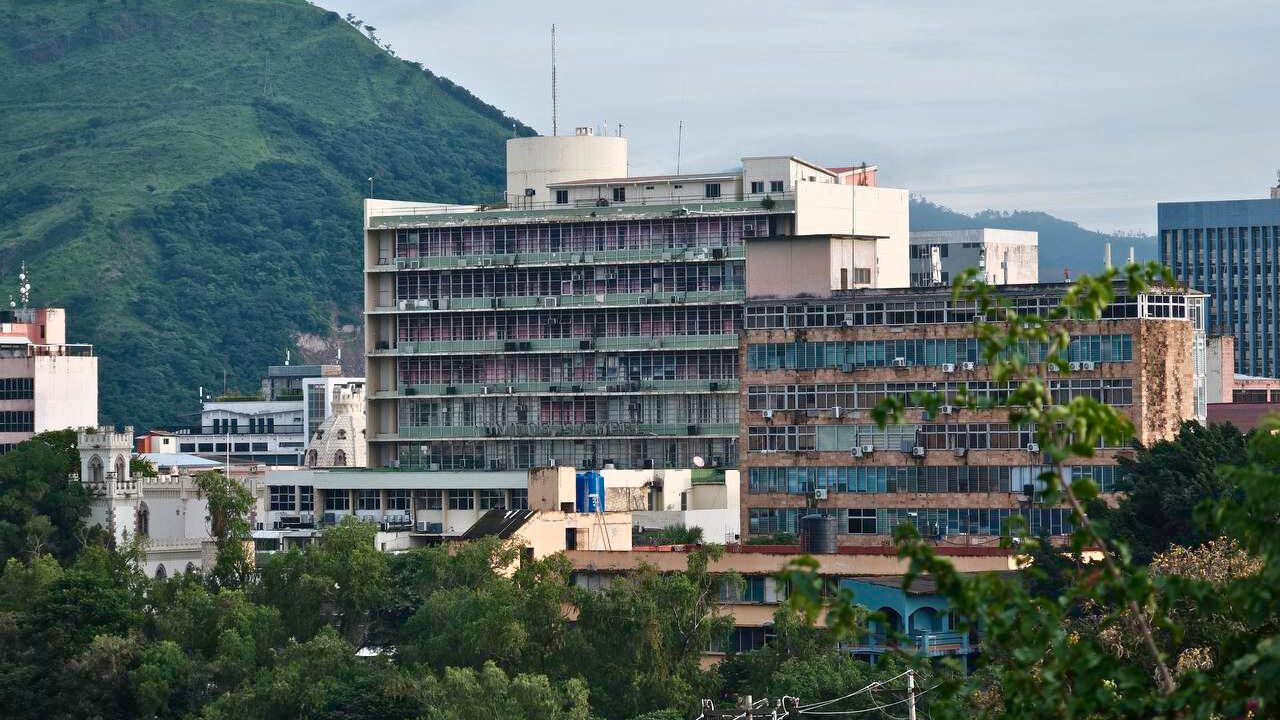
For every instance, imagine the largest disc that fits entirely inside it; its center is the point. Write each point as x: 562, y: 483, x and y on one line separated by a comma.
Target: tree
x: 1166, y: 482
x: 229, y: 503
x: 638, y: 641
x: 41, y: 510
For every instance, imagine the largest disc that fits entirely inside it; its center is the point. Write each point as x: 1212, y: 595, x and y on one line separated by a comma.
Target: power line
x: 909, y: 698
x: 872, y: 686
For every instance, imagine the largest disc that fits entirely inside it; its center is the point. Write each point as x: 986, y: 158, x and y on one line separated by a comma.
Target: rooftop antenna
x: 555, y: 127
x: 24, y: 285
x: 679, y: 144
x: 619, y: 129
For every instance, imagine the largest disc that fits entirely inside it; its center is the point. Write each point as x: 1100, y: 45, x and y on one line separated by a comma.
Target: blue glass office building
x: 1230, y: 249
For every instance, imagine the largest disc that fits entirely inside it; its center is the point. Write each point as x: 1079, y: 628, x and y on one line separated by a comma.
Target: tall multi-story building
x: 46, y: 383
x: 593, y: 318
x: 1231, y: 250
x: 813, y: 368
x: 1002, y: 257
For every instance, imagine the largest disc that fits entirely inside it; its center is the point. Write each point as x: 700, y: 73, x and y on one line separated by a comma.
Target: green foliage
x: 1165, y: 483
x: 185, y: 177
x: 671, y: 535
x: 40, y: 510
x: 229, y: 503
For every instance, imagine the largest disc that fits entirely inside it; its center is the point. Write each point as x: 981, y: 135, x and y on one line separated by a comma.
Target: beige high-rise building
x: 46, y: 383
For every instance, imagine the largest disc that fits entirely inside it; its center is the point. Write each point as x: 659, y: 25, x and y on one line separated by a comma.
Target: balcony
x: 621, y: 256
x: 562, y: 387
x: 545, y: 302
x: 926, y: 644
x: 454, y: 216
x: 721, y: 341
x: 586, y: 430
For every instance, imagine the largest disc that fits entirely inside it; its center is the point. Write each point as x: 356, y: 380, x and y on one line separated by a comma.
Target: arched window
x: 95, y: 470
x: 311, y: 458
x: 160, y: 572
x: 339, y: 459
x: 190, y: 568
x: 121, y: 468
x: 341, y: 435
x: 143, y: 520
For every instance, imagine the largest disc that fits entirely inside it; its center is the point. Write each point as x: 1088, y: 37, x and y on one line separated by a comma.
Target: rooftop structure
x: 593, y: 320
x: 1002, y: 257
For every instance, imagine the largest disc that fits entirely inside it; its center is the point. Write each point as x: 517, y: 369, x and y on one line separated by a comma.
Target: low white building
x: 1002, y: 257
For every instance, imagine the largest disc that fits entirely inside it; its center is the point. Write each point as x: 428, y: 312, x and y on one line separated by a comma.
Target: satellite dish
x: 698, y: 461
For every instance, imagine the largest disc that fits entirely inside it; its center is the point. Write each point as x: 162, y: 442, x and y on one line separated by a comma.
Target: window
x: 492, y: 500
x: 307, y: 498
x: 397, y: 499
x: 520, y: 499
x: 337, y: 500
x: 18, y: 388
x: 339, y: 458
x: 241, y: 447
x: 619, y: 194
x: 17, y: 421
x: 369, y: 500
x: 776, y: 186
x: 206, y: 447
x: 713, y: 190
x: 862, y: 522
x: 281, y: 497
x: 757, y: 186
x: 562, y: 197
x: 462, y: 500
x: 187, y: 447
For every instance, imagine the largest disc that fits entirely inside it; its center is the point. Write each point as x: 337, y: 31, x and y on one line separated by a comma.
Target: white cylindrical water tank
x: 535, y: 162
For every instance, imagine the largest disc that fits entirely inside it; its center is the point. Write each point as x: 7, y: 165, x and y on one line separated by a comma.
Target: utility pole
x: 911, y: 695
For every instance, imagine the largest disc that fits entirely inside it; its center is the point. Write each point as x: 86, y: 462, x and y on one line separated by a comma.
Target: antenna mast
x: 554, y: 120
x: 679, y: 144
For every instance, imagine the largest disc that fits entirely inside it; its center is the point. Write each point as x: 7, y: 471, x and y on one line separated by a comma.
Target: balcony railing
x: 217, y: 432
x: 929, y: 644
x: 379, y: 216
x: 721, y: 341
x: 605, y: 429
x: 531, y: 302
x: 700, y: 253
x: 587, y: 387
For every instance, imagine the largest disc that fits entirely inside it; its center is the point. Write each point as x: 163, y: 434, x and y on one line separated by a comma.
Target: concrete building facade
x: 594, y: 324
x: 813, y: 369
x: 1231, y: 250
x: 46, y: 383
x: 1002, y: 257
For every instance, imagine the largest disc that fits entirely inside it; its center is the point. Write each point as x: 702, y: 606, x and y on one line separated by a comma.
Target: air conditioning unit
x: 856, y: 451
x: 948, y: 368
x: 511, y: 389
x: 819, y: 493
x: 947, y: 409
x: 1033, y: 447
x: 1087, y: 365
x: 868, y: 449
x: 403, y: 304
x: 550, y: 302
x: 899, y: 362
x: 768, y: 414
x: 835, y: 412
x: 848, y: 319
x: 961, y: 452
x: 969, y: 365
x: 1075, y: 366
x: 917, y: 451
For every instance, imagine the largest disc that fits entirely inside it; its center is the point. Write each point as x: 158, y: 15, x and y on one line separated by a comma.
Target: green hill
x: 1063, y: 244
x: 185, y: 177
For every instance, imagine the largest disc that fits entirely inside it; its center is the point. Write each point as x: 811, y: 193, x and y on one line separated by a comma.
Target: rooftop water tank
x: 818, y: 534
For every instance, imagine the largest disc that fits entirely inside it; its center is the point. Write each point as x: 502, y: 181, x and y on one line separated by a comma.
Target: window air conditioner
x: 917, y: 451
x: 1074, y: 366
x: 819, y: 493
x: 899, y: 362
x: 855, y: 451
x: 868, y: 449
x: 948, y: 368
x: 969, y: 365
x: 768, y: 414
x: 1087, y: 365
x: 1033, y: 447
x: 947, y: 410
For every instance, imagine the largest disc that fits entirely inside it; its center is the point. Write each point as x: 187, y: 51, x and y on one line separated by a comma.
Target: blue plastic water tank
x: 590, y: 492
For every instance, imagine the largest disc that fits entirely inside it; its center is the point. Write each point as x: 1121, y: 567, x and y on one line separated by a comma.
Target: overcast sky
x: 1091, y: 110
